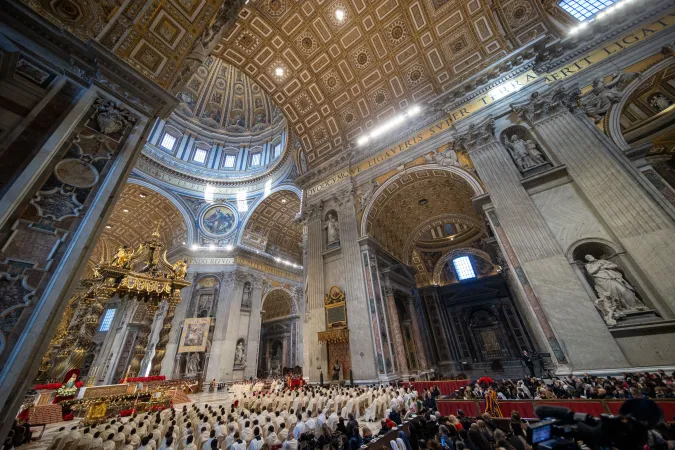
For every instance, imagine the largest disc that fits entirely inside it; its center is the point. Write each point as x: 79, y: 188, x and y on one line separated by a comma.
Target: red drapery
x: 473, y: 408
x: 446, y: 386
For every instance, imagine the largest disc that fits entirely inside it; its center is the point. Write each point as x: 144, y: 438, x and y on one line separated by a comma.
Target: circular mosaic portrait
x: 218, y: 220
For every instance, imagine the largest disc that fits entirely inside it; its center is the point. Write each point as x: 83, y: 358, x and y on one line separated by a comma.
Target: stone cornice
x: 218, y: 180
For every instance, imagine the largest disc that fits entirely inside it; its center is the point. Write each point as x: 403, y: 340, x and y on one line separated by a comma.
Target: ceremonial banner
x: 195, y: 334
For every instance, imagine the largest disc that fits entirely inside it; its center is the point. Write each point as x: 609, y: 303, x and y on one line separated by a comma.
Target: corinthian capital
x: 477, y: 136
x: 547, y: 104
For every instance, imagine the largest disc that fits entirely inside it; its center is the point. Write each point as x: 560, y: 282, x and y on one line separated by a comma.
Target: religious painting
x: 219, y: 220
x: 195, y: 335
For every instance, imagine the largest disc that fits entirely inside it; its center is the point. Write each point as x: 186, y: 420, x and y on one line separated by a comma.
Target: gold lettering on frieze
x: 626, y: 41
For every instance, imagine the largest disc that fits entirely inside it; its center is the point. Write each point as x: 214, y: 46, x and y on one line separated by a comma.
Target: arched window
x: 463, y: 268
x: 168, y: 141
x: 107, y: 319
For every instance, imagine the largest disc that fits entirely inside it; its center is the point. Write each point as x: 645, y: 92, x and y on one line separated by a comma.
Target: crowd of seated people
x: 657, y: 385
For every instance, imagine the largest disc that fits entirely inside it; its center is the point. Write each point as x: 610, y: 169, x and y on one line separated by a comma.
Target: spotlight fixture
x: 388, y: 125
x: 229, y: 247
x: 108, y: 227
x: 142, y: 195
x: 283, y: 200
x: 195, y: 247
x: 125, y: 210
x: 279, y: 71
x: 339, y: 15
x: 183, y: 242
x: 212, y: 247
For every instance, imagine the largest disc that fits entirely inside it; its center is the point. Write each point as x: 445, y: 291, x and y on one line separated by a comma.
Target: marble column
x: 155, y: 331
x: 610, y: 183
x: 396, y: 331
x: 360, y: 342
x: 170, y: 355
x: 556, y: 289
x: 420, y: 353
x: 315, y: 354
x: 224, y: 309
x: 253, y: 340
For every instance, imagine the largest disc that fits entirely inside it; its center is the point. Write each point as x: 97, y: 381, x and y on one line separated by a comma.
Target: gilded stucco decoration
x: 414, y: 198
x: 138, y: 212
x: 277, y: 305
x: 273, y: 227
x: 337, y: 79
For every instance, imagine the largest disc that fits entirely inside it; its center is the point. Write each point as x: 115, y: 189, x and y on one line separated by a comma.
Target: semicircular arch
x: 442, y: 261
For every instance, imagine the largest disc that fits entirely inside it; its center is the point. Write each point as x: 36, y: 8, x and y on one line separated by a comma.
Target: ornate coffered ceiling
x: 403, y: 215
x: 225, y: 100
x: 339, y: 78
x: 138, y: 213
x: 159, y: 38
x: 277, y: 305
x: 273, y: 228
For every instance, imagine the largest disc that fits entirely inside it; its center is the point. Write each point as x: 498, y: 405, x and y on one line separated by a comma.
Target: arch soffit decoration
x: 277, y: 304
x: 473, y: 182
x: 615, y: 132
x: 440, y: 264
x: 276, y: 219
x: 424, y: 226
x: 156, y: 208
x: 187, y: 217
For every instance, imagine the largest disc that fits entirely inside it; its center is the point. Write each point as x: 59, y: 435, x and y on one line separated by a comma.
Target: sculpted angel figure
x: 180, y: 269
x: 660, y: 102
x: 123, y: 257
x: 602, y: 96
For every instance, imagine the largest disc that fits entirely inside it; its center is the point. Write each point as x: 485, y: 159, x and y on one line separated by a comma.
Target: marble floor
x: 211, y: 398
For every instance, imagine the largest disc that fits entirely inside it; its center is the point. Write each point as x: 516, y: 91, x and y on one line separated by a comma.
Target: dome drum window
x: 168, y: 142
x: 256, y: 159
x: 229, y: 161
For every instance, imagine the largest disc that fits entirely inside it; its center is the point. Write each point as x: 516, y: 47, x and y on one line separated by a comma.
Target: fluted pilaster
x: 395, y: 327
x: 315, y: 354
x: 360, y: 341
x: 608, y: 181
x: 539, y: 260
x: 420, y: 353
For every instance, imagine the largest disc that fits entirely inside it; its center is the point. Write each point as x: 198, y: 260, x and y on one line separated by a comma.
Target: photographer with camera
x: 633, y: 429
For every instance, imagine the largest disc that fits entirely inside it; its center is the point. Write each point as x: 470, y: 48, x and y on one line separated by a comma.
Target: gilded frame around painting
x: 195, y: 334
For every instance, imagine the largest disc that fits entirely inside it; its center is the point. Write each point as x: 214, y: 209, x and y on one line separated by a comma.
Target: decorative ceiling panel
x: 381, y: 57
x: 274, y: 220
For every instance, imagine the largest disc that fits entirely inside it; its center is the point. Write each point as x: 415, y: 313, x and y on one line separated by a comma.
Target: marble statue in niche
x: 615, y: 294
x: 239, y: 354
x: 193, y: 365
x: 524, y: 153
x: 246, y: 295
x: 333, y: 227
x: 660, y: 102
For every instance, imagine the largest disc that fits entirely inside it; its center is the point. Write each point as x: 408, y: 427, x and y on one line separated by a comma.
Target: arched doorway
x: 278, y: 334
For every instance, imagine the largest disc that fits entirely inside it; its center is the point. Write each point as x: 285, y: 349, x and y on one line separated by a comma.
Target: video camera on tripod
x: 562, y: 429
